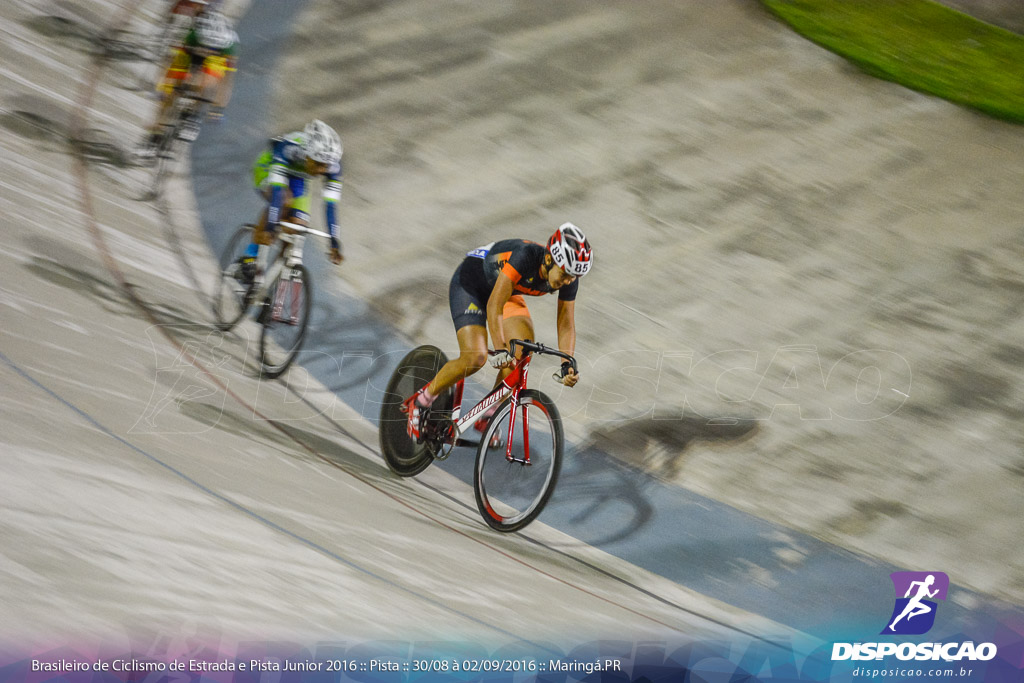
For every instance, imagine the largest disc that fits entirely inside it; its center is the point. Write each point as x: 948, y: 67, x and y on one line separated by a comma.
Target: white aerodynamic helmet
x: 571, y: 250
x: 214, y: 31
x: 321, y: 143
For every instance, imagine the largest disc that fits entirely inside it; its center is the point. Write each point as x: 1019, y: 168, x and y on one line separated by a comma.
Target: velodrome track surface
x: 154, y: 483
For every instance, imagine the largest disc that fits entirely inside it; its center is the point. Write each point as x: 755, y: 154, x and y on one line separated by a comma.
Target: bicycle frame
x: 513, y: 384
x: 290, y: 256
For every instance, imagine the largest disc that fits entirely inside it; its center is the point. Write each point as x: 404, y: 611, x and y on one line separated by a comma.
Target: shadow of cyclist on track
x: 602, y: 492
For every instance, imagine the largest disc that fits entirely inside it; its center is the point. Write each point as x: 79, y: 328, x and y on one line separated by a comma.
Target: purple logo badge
x: 914, y: 612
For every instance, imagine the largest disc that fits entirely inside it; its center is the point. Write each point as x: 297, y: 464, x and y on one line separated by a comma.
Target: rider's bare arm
x: 566, y: 322
x: 500, y: 295
x: 567, y: 326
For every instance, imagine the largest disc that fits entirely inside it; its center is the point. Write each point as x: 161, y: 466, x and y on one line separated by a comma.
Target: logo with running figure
x: 916, y: 592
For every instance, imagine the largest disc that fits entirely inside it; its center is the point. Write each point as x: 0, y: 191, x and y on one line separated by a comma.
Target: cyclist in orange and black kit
x: 486, y: 292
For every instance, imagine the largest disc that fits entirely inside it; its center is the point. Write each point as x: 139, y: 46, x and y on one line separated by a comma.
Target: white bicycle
x: 284, y: 294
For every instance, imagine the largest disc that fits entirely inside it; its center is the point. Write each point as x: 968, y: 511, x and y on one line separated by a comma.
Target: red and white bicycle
x: 519, y: 454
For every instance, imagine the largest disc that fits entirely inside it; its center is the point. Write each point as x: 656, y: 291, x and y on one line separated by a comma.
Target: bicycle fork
x: 514, y: 384
x: 525, y: 460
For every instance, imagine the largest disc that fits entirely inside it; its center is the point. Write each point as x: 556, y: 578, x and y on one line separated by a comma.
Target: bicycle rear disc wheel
x: 285, y: 319
x: 230, y: 299
x: 511, y: 493
x: 404, y: 456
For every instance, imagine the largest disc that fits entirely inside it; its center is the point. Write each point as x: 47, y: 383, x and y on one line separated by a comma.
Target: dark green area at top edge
x: 919, y: 44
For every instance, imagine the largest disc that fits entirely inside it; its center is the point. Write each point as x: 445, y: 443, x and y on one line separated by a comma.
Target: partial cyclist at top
x: 281, y: 177
x: 486, y: 293
x: 180, y: 15
x: 201, y: 65
x: 175, y: 23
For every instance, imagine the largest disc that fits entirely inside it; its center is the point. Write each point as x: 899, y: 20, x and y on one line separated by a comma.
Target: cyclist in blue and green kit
x: 281, y: 176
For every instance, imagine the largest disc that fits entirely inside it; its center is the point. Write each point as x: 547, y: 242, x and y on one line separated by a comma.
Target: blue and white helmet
x: 321, y: 143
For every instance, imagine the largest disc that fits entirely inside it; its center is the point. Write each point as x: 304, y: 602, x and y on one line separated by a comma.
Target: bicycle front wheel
x: 513, y: 485
x: 231, y: 298
x: 285, y: 319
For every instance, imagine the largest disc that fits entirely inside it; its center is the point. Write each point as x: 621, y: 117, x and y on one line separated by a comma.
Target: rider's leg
x: 468, y: 314
x: 206, y: 84
x: 155, y: 130
x: 215, y: 82
x: 176, y: 75
x: 257, y: 254
x: 472, y: 356
x: 169, y: 37
x: 516, y: 324
x: 199, y: 84
x: 294, y: 199
x: 468, y: 309
x: 294, y: 209
x: 261, y: 183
